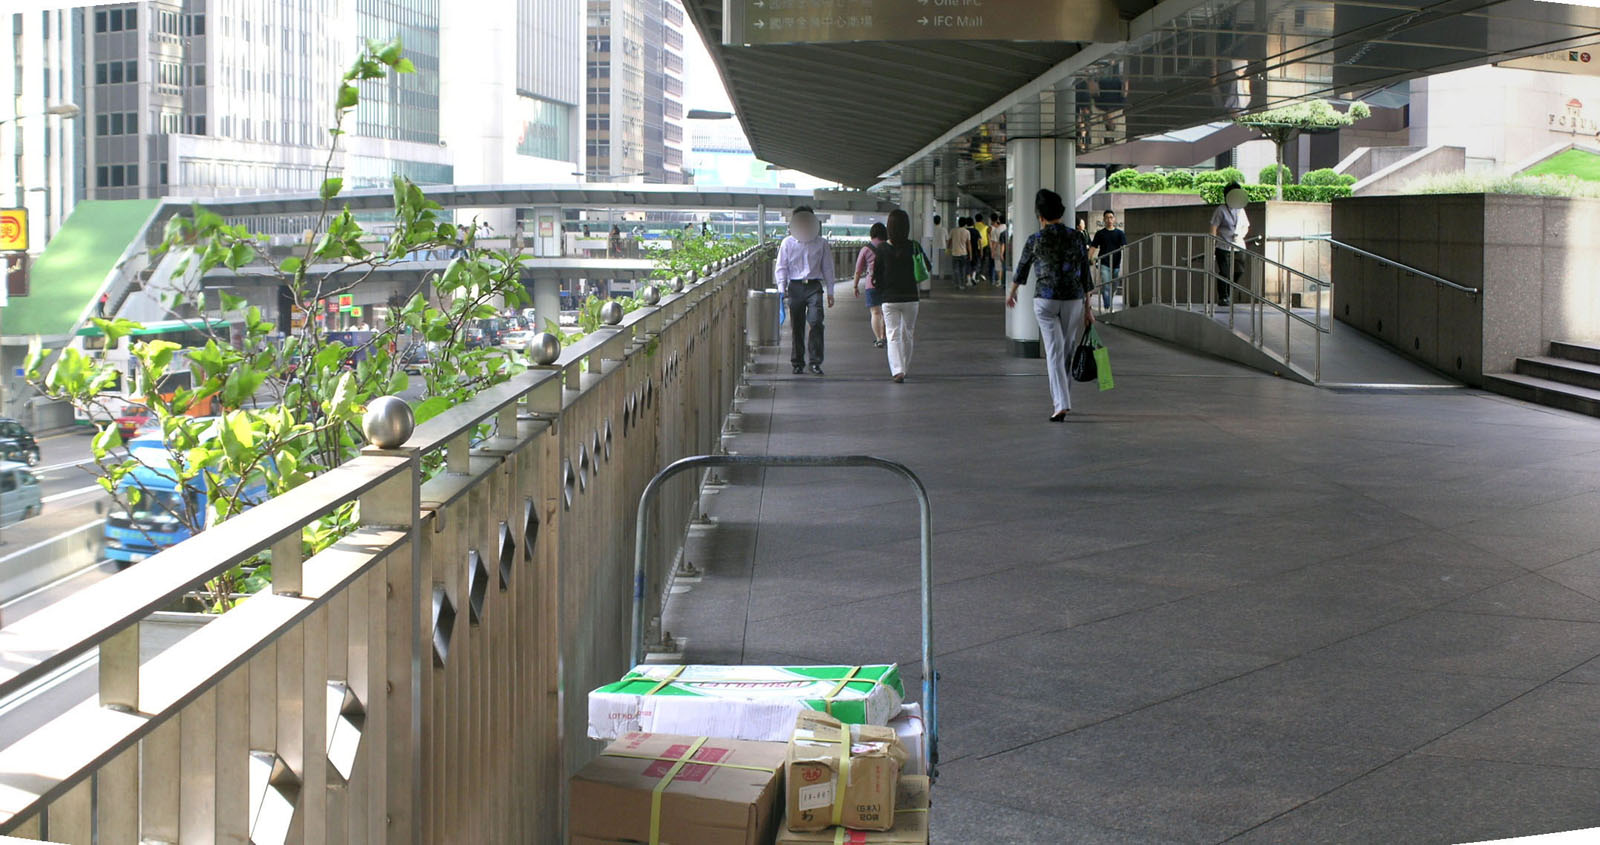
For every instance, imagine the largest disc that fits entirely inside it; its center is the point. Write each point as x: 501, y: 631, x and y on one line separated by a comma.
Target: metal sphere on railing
x: 677, y: 284
x: 388, y: 422
x: 650, y: 295
x: 611, y: 313
x: 544, y: 349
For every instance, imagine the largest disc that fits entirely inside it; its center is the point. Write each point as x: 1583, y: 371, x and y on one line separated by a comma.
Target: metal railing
x: 422, y: 680
x: 1178, y: 269
x: 1372, y: 256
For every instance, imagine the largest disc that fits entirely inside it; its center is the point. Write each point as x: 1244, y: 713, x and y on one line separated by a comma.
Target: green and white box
x: 742, y: 702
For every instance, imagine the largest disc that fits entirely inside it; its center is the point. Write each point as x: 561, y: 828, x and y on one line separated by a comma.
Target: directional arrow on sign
x: 760, y: 4
x: 923, y: 21
x: 759, y: 24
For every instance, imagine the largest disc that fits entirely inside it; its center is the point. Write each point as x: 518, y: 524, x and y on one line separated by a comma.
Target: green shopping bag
x: 1102, y: 361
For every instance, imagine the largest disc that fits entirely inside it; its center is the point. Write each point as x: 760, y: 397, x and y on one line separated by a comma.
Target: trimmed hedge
x: 1315, y: 193
x: 1269, y: 175
x: 1212, y: 194
x: 1209, y: 177
x: 1327, y: 176
x: 1123, y: 180
x: 1180, y: 179
x: 1151, y: 182
x: 1232, y: 174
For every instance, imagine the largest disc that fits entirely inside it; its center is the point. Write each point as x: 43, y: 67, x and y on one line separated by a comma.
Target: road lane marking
x: 67, y: 465
x: 41, y: 543
x: 56, y: 497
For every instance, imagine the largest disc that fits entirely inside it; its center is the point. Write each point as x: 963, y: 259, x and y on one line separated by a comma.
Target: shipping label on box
x: 742, y: 702
x: 910, y: 822
x: 678, y: 790
x: 841, y: 775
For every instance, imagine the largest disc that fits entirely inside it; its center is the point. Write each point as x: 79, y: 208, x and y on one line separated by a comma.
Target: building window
x: 546, y: 129
x: 117, y: 176
x: 131, y: 72
x: 163, y: 173
x: 116, y: 123
x: 102, y: 177
x: 199, y: 24
x: 115, y: 23
x: 100, y: 26
x: 99, y: 124
x: 100, y: 73
x: 130, y: 19
x: 198, y: 74
x: 116, y: 73
x: 132, y: 126
x: 133, y: 174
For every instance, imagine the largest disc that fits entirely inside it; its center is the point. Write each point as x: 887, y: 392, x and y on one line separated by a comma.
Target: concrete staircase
x: 1567, y: 378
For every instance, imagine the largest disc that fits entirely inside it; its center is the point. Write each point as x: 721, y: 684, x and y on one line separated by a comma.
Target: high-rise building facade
x: 635, y: 125
x: 223, y: 97
x: 41, y: 138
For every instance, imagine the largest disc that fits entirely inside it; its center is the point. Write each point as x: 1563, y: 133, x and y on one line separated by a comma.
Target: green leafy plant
x: 1230, y: 174
x: 1282, y: 125
x: 1151, y: 182
x: 1180, y: 179
x: 1327, y: 176
x: 1123, y: 180
x: 1212, y: 193
x: 283, y: 410
x: 1276, y: 174
x: 1209, y: 177
x: 1504, y: 183
x: 1315, y: 193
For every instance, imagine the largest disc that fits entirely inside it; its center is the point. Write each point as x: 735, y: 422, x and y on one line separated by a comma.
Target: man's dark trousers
x: 805, y: 313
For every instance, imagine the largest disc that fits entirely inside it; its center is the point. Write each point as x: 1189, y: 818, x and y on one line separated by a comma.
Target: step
x: 1564, y: 370
x: 1540, y: 391
x: 1576, y: 350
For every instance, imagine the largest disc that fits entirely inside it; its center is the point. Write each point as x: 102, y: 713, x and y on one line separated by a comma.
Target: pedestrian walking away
x: 999, y: 239
x: 804, y: 274
x: 864, y: 263
x: 1058, y: 259
x: 1229, y: 225
x: 960, y: 251
x: 894, y: 275
x: 1105, y: 251
x: 939, y: 249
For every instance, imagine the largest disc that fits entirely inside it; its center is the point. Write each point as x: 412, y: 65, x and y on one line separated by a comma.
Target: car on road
x: 19, y: 493
x: 517, y: 340
x: 133, y: 418
x: 17, y: 443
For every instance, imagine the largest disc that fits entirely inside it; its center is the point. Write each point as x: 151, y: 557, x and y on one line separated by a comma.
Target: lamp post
x: 65, y: 111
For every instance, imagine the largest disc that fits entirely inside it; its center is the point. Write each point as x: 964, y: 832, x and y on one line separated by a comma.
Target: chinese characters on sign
x: 753, y: 22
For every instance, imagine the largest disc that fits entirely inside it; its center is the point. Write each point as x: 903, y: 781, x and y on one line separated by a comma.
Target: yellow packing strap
x: 677, y: 766
x: 665, y: 681
x: 843, y: 684
x: 844, y: 774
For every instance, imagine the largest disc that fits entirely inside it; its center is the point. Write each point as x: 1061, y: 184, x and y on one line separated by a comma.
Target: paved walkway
x: 1214, y: 606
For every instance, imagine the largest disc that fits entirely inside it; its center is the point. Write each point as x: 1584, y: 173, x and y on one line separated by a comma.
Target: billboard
x: 13, y: 229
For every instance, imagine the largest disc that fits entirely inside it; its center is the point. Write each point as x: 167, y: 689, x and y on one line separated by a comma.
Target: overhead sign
x: 16, y: 274
x: 751, y: 22
x: 13, y: 229
x: 1584, y: 61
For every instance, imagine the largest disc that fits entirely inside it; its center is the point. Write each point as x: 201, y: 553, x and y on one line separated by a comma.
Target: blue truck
x: 162, y: 514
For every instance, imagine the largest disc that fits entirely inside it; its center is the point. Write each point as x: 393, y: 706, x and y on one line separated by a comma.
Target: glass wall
x: 403, y: 106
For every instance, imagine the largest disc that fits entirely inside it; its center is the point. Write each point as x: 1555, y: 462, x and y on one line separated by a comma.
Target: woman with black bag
x: 894, y: 276
x: 1058, y: 255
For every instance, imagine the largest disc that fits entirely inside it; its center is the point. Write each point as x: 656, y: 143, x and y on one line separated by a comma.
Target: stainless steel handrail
x: 1380, y: 259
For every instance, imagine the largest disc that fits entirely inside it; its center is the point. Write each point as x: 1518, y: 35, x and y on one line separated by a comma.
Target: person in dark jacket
x: 894, y: 276
x: 1058, y: 257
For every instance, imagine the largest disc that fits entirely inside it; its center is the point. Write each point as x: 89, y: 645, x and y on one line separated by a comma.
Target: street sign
x: 752, y: 22
x: 1583, y: 61
x: 13, y: 229
x: 347, y: 301
x: 16, y: 274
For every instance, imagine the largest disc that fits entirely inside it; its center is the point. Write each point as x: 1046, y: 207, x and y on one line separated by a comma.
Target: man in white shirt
x: 804, y: 273
x: 1230, y: 225
x: 939, y: 238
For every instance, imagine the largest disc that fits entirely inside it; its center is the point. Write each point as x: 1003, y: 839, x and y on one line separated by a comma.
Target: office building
x: 41, y: 142
x: 634, y: 130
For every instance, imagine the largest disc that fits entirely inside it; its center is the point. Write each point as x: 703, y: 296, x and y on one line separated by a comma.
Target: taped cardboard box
x: 841, y: 775
x: 678, y: 790
x: 742, y: 702
x: 910, y: 822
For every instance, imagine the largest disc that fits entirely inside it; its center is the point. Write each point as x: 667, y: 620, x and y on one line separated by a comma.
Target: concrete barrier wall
x: 25, y: 570
x: 1534, y: 259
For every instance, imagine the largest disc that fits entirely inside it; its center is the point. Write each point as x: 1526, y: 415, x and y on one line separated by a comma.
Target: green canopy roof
x: 68, y: 275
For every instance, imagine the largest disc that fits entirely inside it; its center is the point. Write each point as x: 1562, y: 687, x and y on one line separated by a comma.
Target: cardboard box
x: 913, y: 735
x: 712, y: 792
x: 741, y: 702
x: 910, y: 822
x: 841, y: 775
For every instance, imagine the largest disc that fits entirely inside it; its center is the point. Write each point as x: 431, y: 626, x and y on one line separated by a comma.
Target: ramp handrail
x: 1329, y: 239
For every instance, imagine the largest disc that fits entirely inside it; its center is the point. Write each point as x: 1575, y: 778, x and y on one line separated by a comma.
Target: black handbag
x: 1083, y: 365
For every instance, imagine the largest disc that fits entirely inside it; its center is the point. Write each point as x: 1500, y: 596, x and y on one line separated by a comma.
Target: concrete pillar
x: 761, y: 222
x: 547, y: 301
x: 1025, y: 155
x: 1066, y: 167
x: 544, y: 233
